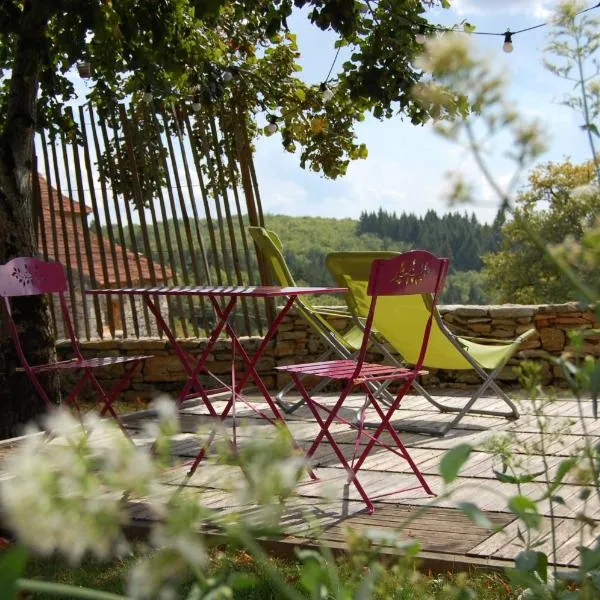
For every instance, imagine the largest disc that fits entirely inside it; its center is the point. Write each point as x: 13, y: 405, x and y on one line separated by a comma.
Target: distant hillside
x: 308, y: 240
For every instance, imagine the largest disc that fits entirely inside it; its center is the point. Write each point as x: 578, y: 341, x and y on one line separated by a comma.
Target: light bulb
x: 227, y: 76
x: 508, y: 45
x: 327, y: 95
x: 421, y: 38
x: 196, y: 105
x: 271, y: 128
x: 147, y: 97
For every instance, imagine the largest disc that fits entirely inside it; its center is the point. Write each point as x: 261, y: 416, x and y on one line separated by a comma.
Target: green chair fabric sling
x: 399, y: 320
x: 343, y: 344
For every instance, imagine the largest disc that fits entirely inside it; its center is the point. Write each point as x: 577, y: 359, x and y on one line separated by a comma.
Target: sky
x: 407, y: 165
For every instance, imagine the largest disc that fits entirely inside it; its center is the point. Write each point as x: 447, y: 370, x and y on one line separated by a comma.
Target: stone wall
x: 84, y: 308
x: 296, y: 342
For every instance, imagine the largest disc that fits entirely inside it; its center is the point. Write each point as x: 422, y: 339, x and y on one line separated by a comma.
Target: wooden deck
x: 448, y: 538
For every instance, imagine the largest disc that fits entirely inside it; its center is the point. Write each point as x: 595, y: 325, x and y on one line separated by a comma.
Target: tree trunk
x: 19, y: 402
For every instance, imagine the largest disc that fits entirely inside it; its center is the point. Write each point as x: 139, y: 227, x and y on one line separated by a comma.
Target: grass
x: 396, y: 582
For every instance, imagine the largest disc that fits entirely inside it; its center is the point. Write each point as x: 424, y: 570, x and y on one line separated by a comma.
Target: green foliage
x: 453, y: 460
x: 215, y: 52
x: 12, y: 566
x: 308, y: 240
x: 459, y: 237
x: 574, y: 42
x: 558, y: 205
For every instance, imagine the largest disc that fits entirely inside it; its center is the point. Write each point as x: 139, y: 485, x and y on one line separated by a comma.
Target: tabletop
x: 260, y: 291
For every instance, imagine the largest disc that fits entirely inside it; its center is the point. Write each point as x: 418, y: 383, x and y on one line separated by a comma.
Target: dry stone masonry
x: 295, y: 342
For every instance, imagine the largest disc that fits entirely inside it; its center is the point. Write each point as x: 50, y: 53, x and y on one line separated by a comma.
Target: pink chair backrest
x: 26, y: 276
x: 413, y: 272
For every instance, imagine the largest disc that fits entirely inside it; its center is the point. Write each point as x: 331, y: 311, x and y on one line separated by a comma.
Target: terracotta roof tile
x: 68, y: 239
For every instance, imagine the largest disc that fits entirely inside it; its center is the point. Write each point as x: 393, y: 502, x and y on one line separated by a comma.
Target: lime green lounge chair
x: 345, y: 344
x: 399, y: 320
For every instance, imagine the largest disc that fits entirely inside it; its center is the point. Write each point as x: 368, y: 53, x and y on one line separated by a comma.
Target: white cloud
x: 538, y: 9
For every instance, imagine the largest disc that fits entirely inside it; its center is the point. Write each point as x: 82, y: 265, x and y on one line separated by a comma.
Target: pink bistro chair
x: 414, y: 272
x: 26, y: 276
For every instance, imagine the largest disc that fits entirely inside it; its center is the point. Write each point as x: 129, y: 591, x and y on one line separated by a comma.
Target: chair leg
x: 386, y: 424
x: 324, y: 425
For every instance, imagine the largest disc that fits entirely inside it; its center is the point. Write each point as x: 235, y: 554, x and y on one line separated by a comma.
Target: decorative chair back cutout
x: 414, y: 272
x: 26, y: 276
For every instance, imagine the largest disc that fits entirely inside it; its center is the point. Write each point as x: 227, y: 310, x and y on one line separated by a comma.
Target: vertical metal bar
x: 63, y: 224
x: 77, y: 246
x: 37, y: 193
x: 126, y: 267
x: 130, y: 226
x: 41, y: 231
x: 186, y: 220
x: 207, y: 213
x: 234, y: 177
x: 97, y: 223
x: 165, y: 218
x: 207, y: 146
x: 248, y: 153
x: 52, y: 252
x: 84, y: 222
x: 174, y: 218
x: 155, y: 228
x: 55, y: 250
x: 138, y: 197
x: 193, y: 196
x: 228, y: 217
x: 253, y: 204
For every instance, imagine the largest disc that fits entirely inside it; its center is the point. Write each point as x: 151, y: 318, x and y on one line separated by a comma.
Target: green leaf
x: 365, y: 591
x: 300, y: 94
x: 530, y: 561
x: 453, y: 460
x: 563, y: 468
x: 195, y: 593
x: 526, y: 478
x: 475, y: 514
x: 590, y: 559
x: 584, y: 494
x: 242, y: 581
x: 12, y: 567
x: 526, y: 509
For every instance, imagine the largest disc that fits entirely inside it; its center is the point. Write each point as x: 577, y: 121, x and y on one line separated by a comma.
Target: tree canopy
x: 221, y: 51
x: 558, y: 205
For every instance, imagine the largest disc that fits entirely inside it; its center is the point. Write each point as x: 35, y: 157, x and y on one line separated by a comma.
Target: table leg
x: 201, y: 361
x: 192, y: 382
x: 252, y: 372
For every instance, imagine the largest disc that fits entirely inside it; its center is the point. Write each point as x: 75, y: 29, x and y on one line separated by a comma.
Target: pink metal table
x: 193, y: 366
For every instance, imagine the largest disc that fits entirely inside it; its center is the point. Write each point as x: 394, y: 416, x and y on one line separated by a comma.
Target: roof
x: 65, y: 239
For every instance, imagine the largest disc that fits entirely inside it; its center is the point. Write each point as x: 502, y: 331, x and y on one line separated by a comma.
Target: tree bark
x: 19, y: 403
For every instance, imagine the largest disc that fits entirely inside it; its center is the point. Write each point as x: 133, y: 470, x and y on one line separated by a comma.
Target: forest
x: 308, y: 240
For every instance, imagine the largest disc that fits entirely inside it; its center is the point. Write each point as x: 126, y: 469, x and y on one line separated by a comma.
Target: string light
x: 196, y: 104
x: 421, y: 38
x: 508, y: 45
x: 147, y: 97
x: 326, y: 93
x: 272, y: 127
x: 227, y: 76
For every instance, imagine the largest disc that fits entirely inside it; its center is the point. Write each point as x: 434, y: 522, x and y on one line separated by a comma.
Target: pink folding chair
x: 415, y: 272
x: 26, y: 276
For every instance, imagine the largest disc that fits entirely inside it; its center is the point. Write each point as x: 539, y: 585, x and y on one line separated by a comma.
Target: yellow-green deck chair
x: 404, y: 316
x: 344, y: 344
